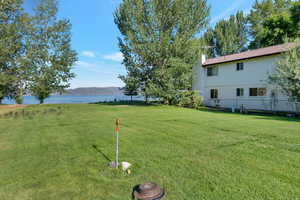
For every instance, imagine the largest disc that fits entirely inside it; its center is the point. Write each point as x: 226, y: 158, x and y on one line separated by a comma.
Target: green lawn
x: 59, y: 152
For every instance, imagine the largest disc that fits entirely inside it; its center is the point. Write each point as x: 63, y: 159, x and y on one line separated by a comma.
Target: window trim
x: 264, y: 92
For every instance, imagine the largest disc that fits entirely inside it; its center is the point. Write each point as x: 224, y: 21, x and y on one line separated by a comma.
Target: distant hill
x: 94, y: 91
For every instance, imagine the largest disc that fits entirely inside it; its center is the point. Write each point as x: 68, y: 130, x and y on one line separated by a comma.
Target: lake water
x: 75, y: 99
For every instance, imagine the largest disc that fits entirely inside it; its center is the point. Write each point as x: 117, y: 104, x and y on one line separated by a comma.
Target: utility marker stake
x: 118, y: 123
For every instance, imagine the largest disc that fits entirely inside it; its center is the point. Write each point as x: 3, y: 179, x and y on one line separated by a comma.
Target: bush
x: 188, y: 99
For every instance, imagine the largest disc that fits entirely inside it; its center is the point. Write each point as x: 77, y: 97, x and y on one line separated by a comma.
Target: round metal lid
x: 149, y: 191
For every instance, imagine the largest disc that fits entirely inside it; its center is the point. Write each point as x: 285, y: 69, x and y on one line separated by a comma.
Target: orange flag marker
x: 118, y: 123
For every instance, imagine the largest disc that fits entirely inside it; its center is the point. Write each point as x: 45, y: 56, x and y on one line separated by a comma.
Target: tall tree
x: 209, y: 41
x: 295, y: 18
x: 276, y: 29
x: 231, y: 35
x: 261, y: 15
x: 13, y: 22
x: 287, y: 73
x: 50, y: 52
x: 132, y: 86
x: 158, y: 41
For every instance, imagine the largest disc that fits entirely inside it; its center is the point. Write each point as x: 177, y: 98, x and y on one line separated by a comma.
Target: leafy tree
x: 158, y: 38
x: 131, y: 87
x: 263, y: 16
x: 136, y: 70
x: 50, y: 52
x: 229, y: 36
x: 13, y: 26
x: 281, y: 26
x: 295, y: 18
x: 208, y: 40
x: 287, y: 73
x: 276, y: 29
x: 4, y: 86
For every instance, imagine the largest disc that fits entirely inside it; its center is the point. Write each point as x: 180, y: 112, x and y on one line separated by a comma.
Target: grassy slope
x: 192, y: 154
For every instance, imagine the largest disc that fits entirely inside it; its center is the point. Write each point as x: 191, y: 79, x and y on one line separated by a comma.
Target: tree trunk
x: 131, y: 98
x: 41, y: 101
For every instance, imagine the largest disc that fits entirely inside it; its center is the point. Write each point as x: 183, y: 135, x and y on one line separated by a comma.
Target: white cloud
x: 100, y: 67
x: 88, y: 54
x: 117, y: 57
x: 97, y: 74
x: 228, y: 11
x: 85, y: 64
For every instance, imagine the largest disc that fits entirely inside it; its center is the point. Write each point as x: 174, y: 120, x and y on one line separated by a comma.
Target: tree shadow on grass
x: 127, y: 103
x: 101, y: 152
x: 280, y: 118
x: 255, y: 114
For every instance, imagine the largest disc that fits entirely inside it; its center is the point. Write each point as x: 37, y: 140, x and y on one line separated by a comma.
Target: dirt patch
x: 12, y: 106
x: 8, y: 108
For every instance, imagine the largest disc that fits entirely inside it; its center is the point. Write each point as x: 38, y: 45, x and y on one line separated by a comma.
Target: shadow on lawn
x: 255, y: 115
x: 127, y: 103
x: 101, y: 152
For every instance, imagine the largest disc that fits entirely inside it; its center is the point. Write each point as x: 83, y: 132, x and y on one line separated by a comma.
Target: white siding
x: 254, y: 75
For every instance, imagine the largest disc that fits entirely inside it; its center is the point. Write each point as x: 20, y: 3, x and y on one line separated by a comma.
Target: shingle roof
x: 250, y: 54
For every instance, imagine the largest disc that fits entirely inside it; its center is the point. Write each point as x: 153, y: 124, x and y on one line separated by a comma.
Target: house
x: 240, y: 81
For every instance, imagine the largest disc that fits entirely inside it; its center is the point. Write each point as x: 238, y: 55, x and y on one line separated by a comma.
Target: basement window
x: 212, y: 71
x: 214, y: 93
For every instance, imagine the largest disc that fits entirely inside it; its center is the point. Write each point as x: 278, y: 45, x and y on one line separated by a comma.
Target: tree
x: 295, y: 18
x: 208, y: 40
x: 131, y: 87
x: 158, y: 38
x: 263, y: 17
x: 228, y: 36
x: 276, y: 29
x: 4, y: 86
x: 50, y: 52
x: 287, y: 73
x: 13, y: 29
x: 281, y: 26
x: 136, y: 70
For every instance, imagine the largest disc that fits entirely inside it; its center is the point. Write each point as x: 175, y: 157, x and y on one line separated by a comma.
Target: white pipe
x: 117, y: 150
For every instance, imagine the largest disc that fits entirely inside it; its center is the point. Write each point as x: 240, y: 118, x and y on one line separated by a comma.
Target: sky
x: 94, y: 37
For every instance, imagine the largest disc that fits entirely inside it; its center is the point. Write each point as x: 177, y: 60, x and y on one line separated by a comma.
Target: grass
x: 7, y: 108
x: 192, y: 154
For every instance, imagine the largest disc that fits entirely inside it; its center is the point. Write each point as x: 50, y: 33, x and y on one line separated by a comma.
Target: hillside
x: 95, y: 91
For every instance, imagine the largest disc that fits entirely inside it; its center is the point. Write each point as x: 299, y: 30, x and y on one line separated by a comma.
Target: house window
x: 240, y: 92
x: 239, y: 66
x: 214, y: 93
x: 262, y: 92
x: 254, y: 92
x: 212, y: 71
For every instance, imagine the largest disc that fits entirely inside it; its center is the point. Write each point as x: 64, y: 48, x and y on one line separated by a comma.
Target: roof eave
x: 222, y: 62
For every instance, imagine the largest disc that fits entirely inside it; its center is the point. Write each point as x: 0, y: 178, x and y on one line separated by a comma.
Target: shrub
x: 188, y: 99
